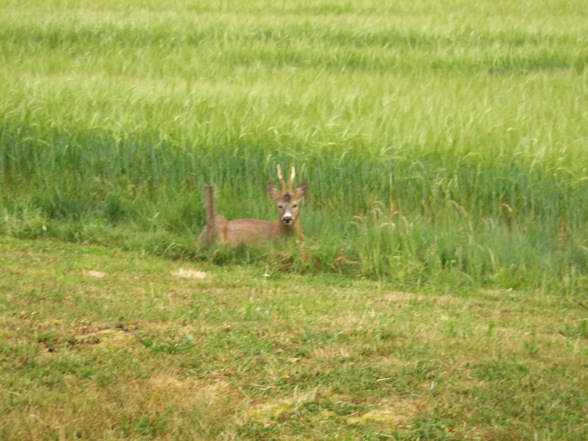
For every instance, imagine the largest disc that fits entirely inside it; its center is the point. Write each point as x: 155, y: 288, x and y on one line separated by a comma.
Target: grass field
x: 461, y: 127
x: 441, y: 292
x: 101, y: 344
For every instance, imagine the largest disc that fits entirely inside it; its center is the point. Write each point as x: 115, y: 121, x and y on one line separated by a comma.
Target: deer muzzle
x: 287, y: 218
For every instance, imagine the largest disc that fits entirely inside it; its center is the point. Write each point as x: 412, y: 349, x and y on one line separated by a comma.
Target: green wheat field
x: 442, y: 291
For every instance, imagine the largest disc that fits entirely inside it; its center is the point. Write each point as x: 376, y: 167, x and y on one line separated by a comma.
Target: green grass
x: 441, y: 293
x: 98, y: 343
x: 466, y: 120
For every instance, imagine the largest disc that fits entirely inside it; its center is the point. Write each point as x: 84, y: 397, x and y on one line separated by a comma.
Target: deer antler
x: 292, y: 176
x: 281, y: 178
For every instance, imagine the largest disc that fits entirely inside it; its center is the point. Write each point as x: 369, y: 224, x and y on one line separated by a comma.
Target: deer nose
x: 287, y: 219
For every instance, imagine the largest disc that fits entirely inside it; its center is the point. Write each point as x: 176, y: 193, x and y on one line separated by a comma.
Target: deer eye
x: 280, y: 206
x: 295, y: 205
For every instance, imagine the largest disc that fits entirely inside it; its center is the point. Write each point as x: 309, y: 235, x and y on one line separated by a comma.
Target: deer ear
x: 272, y: 190
x: 301, y: 190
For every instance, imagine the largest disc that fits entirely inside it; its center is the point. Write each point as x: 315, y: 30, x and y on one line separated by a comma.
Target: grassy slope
x: 101, y: 344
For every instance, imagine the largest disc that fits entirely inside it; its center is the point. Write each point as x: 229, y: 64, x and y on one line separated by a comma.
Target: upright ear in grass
x: 301, y: 190
x: 272, y: 190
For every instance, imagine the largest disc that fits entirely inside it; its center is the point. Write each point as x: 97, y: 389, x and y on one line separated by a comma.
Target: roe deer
x: 253, y: 230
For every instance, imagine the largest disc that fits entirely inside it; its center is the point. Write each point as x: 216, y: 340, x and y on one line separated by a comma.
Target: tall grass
x: 456, y: 132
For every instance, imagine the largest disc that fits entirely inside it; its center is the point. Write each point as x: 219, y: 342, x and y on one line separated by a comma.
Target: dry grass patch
x: 278, y: 409
x: 186, y: 273
x: 95, y: 274
x: 392, y: 297
x: 391, y: 415
x: 106, y: 338
x: 333, y: 353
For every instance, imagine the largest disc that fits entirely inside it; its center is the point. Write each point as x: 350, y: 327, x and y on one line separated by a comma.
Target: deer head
x: 288, y: 200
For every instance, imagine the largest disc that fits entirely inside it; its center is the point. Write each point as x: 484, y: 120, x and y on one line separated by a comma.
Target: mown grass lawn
x: 100, y: 344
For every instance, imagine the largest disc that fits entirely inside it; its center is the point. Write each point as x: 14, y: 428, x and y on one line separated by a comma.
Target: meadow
x: 101, y: 344
x: 441, y: 292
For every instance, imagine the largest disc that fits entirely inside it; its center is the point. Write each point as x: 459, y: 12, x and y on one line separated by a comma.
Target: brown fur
x: 234, y: 232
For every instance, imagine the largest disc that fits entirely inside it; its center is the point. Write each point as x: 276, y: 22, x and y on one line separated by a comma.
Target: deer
x: 237, y: 231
